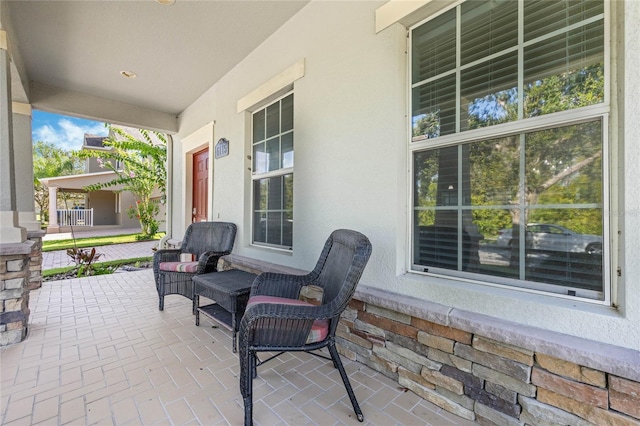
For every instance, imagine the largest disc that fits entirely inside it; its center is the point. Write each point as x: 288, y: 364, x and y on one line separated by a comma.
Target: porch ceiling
x: 177, y: 51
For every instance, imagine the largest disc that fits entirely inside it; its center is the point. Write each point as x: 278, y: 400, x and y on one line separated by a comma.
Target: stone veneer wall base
x: 491, y: 370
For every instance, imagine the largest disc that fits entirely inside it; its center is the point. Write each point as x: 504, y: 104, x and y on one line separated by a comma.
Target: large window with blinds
x: 509, y: 129
x: 272, y: 178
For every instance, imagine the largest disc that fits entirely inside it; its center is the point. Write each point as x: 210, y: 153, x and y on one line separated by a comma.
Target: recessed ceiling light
x: 166, y: 2
x: 128, y: 74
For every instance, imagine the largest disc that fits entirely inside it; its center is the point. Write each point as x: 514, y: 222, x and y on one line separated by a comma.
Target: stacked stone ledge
x: 481, y: 379
x: 35, y: 259
x: 14, y: 291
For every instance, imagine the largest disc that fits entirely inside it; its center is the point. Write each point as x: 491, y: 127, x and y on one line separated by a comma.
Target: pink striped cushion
x: 188, y: 267
x: 319, y: 329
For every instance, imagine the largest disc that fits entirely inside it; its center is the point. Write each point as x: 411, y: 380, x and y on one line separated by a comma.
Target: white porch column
x: 23, y: 159
x: 53, y: 226
x: 10, y: 231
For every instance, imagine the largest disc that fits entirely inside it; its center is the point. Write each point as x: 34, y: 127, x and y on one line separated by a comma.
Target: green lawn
x: 94, y: 242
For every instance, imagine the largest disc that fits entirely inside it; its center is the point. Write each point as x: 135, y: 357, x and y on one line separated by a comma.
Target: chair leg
x: 160, y: 288
x: 248, y: 411
x: 248, y: 399
x: 254, y: 372
x: 352, y: 396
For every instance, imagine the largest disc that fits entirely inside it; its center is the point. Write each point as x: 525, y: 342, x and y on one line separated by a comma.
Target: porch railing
x: 75, y: 217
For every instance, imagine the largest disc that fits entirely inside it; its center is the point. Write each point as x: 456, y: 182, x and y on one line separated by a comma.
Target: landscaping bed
x: 101, y: 268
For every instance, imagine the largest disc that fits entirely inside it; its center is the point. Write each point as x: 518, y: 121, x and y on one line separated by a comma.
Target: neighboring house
x: 104, y: 208
x: 431, y: 127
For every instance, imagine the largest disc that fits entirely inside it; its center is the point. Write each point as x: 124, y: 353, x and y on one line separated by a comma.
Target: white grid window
x: 508, y: 145
x: 272, y: 147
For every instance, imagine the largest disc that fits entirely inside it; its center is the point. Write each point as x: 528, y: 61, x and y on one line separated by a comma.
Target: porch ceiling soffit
x: 73, y: 53
x: 60, y: 101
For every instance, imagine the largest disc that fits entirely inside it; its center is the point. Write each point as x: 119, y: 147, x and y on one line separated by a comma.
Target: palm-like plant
x: 140, y: 167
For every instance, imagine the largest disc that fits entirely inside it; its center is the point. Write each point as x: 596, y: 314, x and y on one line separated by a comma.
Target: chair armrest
x: 279, y: 285
x: 208, y: 261
x: 165, y: 255
x: 279, y: 325
x: 287, y: 312
x: 168, y: 255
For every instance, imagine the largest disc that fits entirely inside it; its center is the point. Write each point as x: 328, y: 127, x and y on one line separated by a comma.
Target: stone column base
x: 14, y: 291
x: 35, y: 261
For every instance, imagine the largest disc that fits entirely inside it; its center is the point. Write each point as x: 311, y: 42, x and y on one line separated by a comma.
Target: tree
x: 50, y: 161
x: 556, y: 160
x: 140, y: 168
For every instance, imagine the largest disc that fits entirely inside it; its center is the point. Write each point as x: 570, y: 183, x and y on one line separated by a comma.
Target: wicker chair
x: 276, y: 320
x: 207, y: 242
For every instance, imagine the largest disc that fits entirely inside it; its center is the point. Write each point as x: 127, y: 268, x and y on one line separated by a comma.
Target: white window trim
x: 270, y: 91
x: 415, y: 15
x: 408, y: 13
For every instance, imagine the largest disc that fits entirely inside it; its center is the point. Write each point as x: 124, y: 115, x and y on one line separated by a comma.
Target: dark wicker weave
x: 278, y: 328
x: 208, y: 241
x: 230, y: 290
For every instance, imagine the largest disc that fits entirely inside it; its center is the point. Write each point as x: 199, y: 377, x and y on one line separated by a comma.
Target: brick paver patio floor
x: 100, y: 352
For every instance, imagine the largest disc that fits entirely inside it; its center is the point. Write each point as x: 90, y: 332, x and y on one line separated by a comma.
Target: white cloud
x: 68, y: 134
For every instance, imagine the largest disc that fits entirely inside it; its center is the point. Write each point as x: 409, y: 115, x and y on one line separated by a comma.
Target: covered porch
x: 100, y: 352
x: 105, y: 208
x: 498, y: 350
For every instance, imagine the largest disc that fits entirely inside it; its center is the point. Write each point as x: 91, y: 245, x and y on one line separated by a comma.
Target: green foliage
x: 140, y: 167
x: 50, y: 161
x: 427, y: 125
x: 565, y: 91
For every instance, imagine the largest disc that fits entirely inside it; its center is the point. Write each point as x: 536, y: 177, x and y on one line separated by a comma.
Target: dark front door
x: 199, y: 211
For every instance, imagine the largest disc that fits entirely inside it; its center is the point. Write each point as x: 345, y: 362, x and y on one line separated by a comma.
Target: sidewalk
x: 59, y: 258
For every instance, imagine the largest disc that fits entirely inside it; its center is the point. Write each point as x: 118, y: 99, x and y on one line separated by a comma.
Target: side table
x: 230, y: 291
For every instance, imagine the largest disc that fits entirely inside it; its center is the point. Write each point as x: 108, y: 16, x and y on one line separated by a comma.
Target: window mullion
x: 522, y: 240
x: 522, y: 210
x: 459, y: 209
x: 520, y: 59
x: 458, y: 61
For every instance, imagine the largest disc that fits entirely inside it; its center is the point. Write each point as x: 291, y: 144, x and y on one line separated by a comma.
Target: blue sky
x: 63, y: 131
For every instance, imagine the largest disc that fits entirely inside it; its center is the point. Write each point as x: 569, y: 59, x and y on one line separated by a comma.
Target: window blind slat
x: 434, y: 47
x: 487, y: 28
x: 542, y: 16
x: 434, y: 108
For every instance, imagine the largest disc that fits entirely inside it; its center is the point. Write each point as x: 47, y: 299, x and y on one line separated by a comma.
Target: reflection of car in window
x: 550, y: 237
